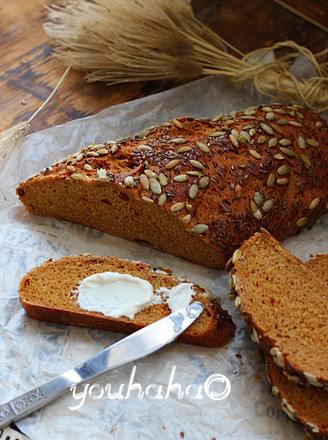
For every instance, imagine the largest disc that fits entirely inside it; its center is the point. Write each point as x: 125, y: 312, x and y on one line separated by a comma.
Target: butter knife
x: 133, y: 347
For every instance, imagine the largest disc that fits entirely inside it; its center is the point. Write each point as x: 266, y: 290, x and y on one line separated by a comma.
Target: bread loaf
x: 48, y: 293
x: 285, y: 306
x: 195, y: 188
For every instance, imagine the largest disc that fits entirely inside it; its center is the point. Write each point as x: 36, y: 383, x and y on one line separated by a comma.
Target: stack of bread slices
x: 285, y: 305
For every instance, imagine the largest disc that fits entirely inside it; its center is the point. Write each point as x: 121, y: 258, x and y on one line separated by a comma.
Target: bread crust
x: 47, y: 294
x: 195, y: 188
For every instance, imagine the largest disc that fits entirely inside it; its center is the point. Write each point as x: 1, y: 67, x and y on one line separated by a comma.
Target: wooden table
x: 28, y: 71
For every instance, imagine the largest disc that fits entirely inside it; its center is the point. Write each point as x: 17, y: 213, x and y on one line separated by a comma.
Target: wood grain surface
x: 28, y: 71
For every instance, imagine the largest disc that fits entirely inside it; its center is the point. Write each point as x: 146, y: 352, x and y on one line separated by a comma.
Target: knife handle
x: 20, y: 406
x: 34, y: 399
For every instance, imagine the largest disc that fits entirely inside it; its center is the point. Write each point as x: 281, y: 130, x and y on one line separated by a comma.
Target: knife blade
x: 131, y: 348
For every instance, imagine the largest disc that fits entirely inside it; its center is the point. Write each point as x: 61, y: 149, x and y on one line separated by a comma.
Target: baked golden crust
x: 47, y: 293
x: 195, y: 188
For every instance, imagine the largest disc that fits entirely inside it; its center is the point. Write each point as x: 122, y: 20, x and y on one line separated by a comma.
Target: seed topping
x: 162, y: 199
x: 128, y: 181
x: 204, y: 182
x: 302, y: 222
x: 179, y: 140
x: 145, y: 147
x: 183, y: 149
x: 186, y: 219
x: 193, y: 191
x: 173, y: 163
x: 266, y: 128
x: 238, y: 191
x: 177, y: 206
x: 177, y: 123
x: 163, y: 179
x: 233, y: 140
x: 258, y: 198
x: 285, y: 142
x: 306, y: 159
x: 202, y: 147
x: 312, y: 142
x: 255, y: 154
x: 155, y: 186
x: 288, y: 151
x: 271, y: 178
x: 77, y: 176
x: 270, y: 116
x: 301, y: 142
x: 102, y: 151
x: 144, y: 182
x: 283, y: 169
x: 197, y: 164
x: 314, y: 203
x: 217, y: 133
x: 268, y: 205
x: 245, y: 135
x: 181, y: 178
x: 199, y: 229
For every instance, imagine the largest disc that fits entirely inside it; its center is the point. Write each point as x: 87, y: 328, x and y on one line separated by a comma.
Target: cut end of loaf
x: 47, y: 294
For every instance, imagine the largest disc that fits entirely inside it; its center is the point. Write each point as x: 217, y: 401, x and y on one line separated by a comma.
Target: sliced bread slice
x: 285, y: 306
x: 48, y: 293
x: 307, y: 405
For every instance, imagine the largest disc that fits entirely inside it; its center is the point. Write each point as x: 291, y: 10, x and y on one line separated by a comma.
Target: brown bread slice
x: 285, y: 306
x: 307, y: 405
x: 195, y: 188
x: 46, y: 293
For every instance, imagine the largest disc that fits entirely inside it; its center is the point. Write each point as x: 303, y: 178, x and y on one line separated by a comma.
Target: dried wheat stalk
x: 131, y: 40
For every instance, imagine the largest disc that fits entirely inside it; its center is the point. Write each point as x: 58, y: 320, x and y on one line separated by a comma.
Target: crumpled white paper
x: 33, y: 352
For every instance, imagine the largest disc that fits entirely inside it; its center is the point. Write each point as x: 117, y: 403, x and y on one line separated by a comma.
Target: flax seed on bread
x: 195, y: 188
x: 285, y: 306
x: 47, y: 293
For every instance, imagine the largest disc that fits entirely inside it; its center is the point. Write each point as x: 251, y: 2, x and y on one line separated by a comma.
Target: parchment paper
x: 32, y: 352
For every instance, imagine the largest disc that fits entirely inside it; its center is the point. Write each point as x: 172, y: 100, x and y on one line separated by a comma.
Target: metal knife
x: 133, y: 347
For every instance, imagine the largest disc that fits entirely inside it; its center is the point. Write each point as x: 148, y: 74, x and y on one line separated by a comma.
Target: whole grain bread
x: 285, y: 306
x: 307, y: 405
x: 48, y: 293
x: 195, y: 188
